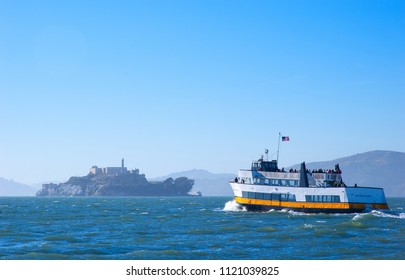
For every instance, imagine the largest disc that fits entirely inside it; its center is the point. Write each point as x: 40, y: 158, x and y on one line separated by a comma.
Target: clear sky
x: 177, y: 85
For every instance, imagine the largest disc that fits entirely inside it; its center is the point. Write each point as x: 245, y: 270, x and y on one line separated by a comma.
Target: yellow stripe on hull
x: 302, y: 205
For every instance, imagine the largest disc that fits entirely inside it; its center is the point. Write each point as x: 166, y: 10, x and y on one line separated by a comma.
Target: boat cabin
x: 266, y: 166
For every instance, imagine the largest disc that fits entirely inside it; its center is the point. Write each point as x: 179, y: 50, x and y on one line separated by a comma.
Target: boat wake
x: 381, y: 214
x: 233, y: 206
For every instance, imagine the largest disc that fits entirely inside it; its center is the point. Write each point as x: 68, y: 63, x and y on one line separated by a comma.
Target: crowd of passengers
x: 328, y: 171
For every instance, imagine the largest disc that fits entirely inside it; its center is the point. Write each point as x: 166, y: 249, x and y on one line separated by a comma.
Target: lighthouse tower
x: 122, y: 166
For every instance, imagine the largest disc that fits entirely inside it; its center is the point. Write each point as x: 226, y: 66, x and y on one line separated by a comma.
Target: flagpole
x: 278, y: 148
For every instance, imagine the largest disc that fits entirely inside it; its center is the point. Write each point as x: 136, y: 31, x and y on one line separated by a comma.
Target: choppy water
x: 190, y: 228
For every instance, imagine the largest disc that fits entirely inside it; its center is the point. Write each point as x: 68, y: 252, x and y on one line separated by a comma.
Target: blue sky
x: 176, y: 85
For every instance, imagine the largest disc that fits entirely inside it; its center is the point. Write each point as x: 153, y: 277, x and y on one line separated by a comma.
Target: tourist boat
x: 264, y: 186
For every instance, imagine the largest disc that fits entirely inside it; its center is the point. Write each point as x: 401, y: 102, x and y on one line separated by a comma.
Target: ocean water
x: 190, y: 228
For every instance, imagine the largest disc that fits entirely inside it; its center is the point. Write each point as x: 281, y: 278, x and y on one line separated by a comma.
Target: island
x: 118, y: 181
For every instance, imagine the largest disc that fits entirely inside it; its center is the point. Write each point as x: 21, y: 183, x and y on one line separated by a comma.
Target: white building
x: 109, y: 170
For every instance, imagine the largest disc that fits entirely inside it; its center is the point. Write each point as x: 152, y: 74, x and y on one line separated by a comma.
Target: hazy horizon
x: 37, y: 184
x: 208, y: 84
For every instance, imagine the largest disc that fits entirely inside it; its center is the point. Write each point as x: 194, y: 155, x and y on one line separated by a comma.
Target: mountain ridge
x: 378, y: 168
x: 12, y: 188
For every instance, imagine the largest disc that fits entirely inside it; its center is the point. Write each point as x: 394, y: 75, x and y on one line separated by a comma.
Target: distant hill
x: 384, y: 169
x: 210, y: 184
x: 11, y: 188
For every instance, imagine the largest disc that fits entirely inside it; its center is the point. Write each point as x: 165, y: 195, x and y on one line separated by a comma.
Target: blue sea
x: 190, y: 228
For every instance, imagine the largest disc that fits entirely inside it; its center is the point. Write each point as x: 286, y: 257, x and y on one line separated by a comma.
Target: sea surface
x: 190, y: 228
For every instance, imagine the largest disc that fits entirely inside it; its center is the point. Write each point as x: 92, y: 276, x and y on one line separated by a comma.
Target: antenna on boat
x: 266, y: 151
x: 283, y: 138
x: 278, y: 147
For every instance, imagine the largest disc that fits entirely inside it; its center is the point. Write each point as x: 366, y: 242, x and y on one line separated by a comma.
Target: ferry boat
x: 264, y: 186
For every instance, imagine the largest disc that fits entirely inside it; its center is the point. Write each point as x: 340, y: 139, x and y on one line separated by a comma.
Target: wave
x: 376, y: 213
x: 233, y: 206
x: 308, y: 226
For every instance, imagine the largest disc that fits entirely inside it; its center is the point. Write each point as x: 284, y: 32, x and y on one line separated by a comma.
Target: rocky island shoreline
x: 117, y: 181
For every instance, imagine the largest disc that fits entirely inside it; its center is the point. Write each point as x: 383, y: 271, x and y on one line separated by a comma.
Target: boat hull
x: 310, y: 200
x: 303, y: 207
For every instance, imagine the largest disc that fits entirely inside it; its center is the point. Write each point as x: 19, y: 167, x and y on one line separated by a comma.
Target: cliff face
x: 128, y: 184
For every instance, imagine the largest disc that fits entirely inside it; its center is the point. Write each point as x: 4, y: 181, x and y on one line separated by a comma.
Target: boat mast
x: 278, y: 148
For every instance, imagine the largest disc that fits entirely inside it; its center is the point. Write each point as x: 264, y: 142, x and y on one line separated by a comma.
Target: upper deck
x: 267, y: 172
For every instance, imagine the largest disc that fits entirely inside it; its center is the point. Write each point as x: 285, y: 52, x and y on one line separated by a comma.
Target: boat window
x: 275, y: 196
x: 245, y: 194
x: 322, y: 198
x: 267, y: 196
x: 259, y: 196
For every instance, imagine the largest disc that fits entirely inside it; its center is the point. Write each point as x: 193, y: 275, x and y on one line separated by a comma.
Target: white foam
x: 357, y: 216
x: 377, y: 213
x: 233, y: 206
x: 387, y: 215
x: 297, y: 213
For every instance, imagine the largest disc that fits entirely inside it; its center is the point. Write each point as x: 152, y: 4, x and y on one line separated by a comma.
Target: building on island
x: 109, y: 170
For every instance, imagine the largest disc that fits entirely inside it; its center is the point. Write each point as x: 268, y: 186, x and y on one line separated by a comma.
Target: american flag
x: 285, y: 138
